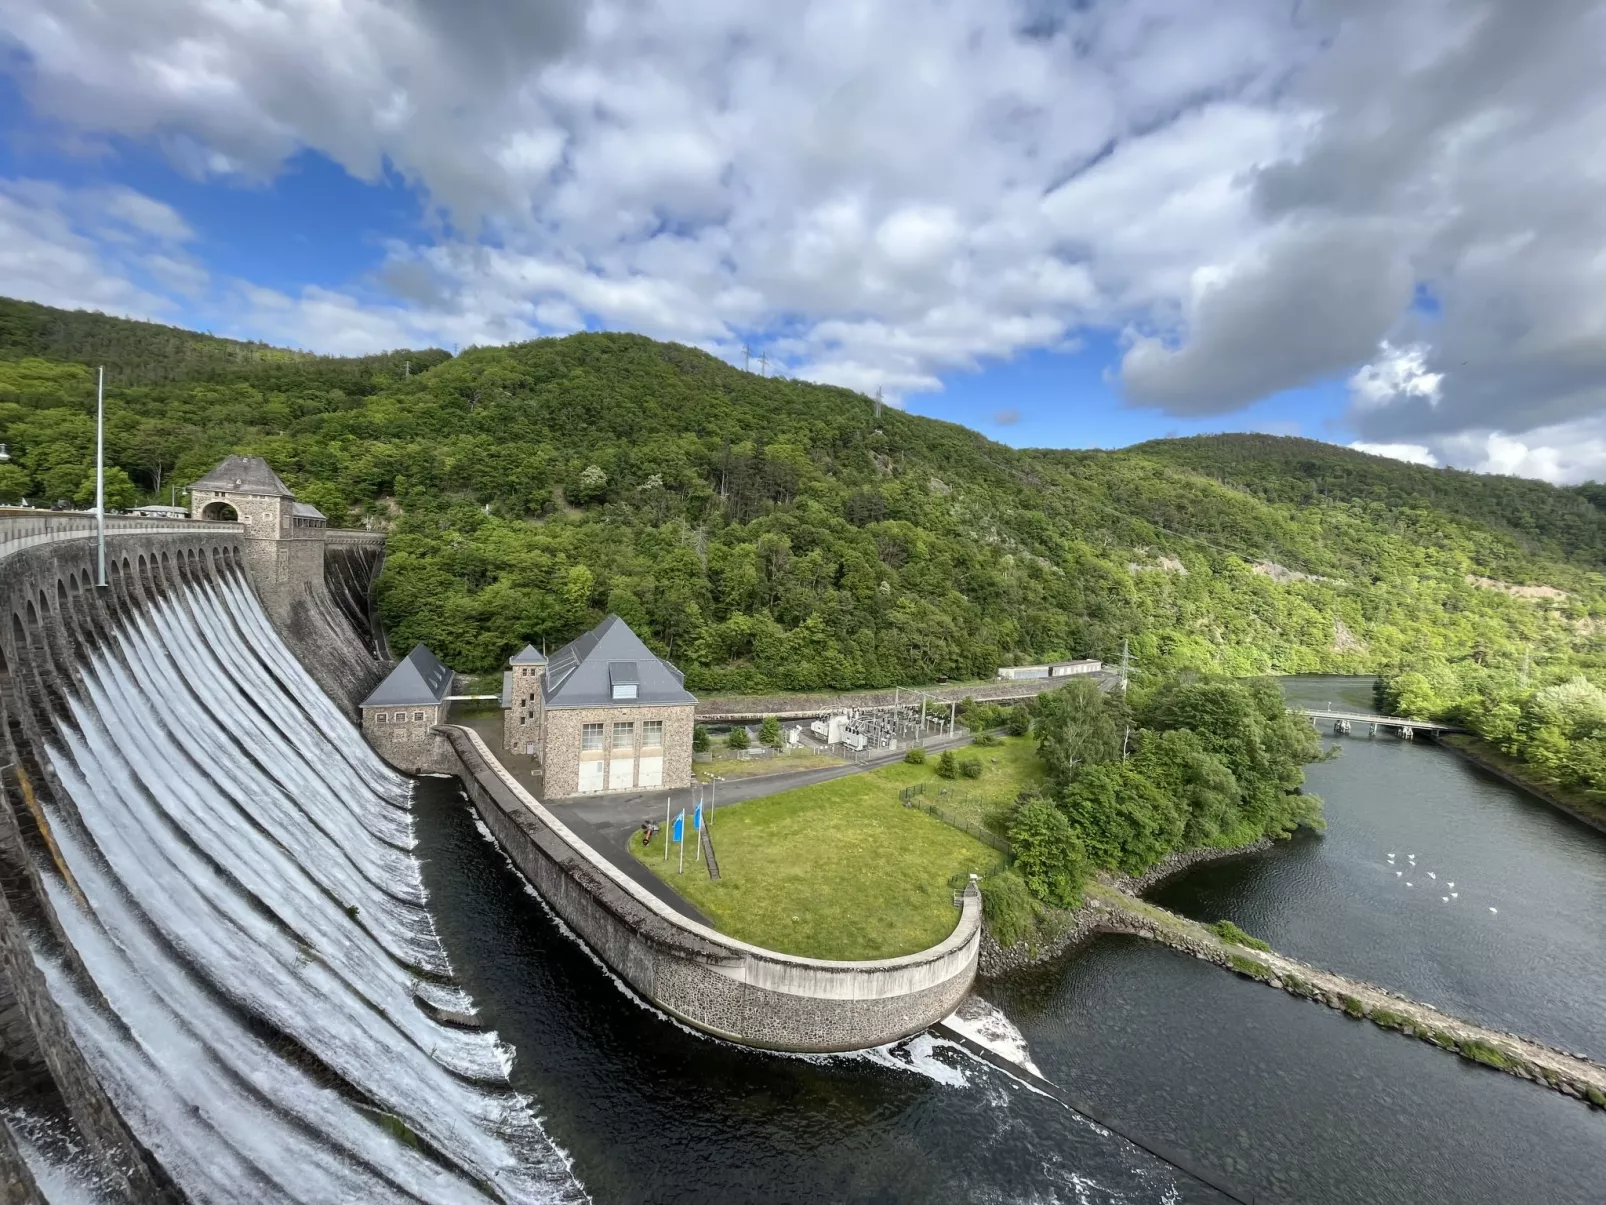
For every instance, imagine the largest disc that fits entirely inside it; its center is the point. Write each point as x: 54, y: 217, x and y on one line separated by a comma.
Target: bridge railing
x: 21, y: 529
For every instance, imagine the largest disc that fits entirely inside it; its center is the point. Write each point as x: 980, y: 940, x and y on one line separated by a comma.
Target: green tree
x: 121, y: 493
x: 1048, y: 853
x: 13, y: 483
x: 916, y: 756
x: 1126, y: 822
x: 1078, y: 725
x: 699, y: 739
x: 769, y: 732
x: 738, y: 738
x: 970, y: 767
x: 947, y: 765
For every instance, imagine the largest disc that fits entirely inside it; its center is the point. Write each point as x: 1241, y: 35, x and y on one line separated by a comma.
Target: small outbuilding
x: 603, y: 714
x: 398, y: 716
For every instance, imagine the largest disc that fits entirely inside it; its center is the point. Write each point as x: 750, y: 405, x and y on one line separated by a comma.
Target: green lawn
x: 1005, y: 771
x: 842, y: 869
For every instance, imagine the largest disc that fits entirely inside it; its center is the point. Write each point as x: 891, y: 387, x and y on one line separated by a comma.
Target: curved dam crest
x: 219, y: 980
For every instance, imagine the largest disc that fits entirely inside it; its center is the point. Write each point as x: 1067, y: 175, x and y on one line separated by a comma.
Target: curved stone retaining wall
x: 728, y: 988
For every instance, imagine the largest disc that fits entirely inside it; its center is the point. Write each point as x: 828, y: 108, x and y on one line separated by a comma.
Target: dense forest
x: 771, y: 534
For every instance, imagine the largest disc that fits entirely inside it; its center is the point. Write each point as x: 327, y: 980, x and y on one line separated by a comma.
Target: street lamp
x: 4, y: 455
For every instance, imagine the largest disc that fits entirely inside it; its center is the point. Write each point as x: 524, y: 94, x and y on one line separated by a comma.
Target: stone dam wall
x: 51, y: 617
x: 712, y: 982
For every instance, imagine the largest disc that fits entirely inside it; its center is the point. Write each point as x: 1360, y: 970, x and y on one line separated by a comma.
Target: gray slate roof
x: 418, y: 679
x: 306, y: 510
x: 580, y: 674
x: 244, y: 475
x: 528, y: 655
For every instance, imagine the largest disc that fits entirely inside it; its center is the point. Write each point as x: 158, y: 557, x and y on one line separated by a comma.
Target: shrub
x: 1019, y: 723
x: 916, y: 756
x: 738, y: 738
x: 769, y: 732
x: 970, y: 767
x: 986, y: 741
x: 699, y: 739
x: 1228, y: 931
x: 1248, y: 966
x: 947, y: 765
x: 1006, y: 906
x: 1352, y: 1006
x: 1048, y: 853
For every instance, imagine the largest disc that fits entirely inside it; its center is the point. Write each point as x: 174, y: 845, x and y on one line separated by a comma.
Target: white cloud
x: 1250, y: 193
x: 1410, y: 453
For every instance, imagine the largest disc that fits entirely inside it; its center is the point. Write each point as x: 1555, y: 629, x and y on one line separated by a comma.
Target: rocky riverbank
x: 1571, y: 1074
x: 1060, y: 932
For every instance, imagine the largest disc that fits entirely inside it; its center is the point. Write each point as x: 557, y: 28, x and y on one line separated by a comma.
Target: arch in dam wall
x: 713, y: 982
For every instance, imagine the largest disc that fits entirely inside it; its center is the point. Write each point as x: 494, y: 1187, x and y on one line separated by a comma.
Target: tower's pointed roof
x: 582, y: 672
x: 419, y: 678
x: 528, y: 655
x: 244, y: 475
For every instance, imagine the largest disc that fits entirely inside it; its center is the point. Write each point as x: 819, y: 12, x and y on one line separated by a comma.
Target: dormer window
x: 623, y: 680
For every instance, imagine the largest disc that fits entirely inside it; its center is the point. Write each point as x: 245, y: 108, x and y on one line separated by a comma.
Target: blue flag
x: 678, y: 832
x: 697, y: 817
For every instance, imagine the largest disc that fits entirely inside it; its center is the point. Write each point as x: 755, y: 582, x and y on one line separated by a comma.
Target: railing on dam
x: 19, y: 529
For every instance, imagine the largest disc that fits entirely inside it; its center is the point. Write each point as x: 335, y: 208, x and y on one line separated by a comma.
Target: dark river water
x: 1287, y: 1098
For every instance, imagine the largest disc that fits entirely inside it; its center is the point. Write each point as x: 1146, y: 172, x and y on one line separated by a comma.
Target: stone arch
x: 220, y: 512
x: 44, y: 602
x: 61, y: 596
x: 33, y: 617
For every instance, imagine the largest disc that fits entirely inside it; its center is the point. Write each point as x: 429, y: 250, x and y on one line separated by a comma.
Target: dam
x: 219, y: 979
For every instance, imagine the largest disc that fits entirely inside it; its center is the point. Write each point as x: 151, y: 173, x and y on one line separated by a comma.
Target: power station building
x: 603, y: 713
x: 398, y: 716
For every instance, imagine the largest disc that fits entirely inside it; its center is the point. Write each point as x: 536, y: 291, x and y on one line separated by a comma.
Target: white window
x: 590, y: 738
x: 652, y: 734
x: 624, y: 736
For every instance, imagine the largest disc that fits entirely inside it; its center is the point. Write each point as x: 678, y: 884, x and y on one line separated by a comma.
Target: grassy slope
x: 842, y: 869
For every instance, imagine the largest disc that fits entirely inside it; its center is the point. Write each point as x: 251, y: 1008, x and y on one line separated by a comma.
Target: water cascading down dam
x: 219, y: 980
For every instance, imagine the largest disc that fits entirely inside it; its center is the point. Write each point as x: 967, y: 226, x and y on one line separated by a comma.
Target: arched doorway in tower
x: 220, y: 512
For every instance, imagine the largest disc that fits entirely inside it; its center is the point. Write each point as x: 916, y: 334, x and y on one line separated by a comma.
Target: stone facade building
x: 398, y: 716
x: 604, y: 714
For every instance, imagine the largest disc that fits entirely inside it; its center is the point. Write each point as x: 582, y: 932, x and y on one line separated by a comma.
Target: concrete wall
x: 804, y: 706
x: 561, y: 754
x: 715, y: 983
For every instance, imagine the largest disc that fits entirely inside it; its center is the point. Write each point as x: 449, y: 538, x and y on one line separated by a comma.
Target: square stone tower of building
x: 522, y: 704
x: 283, y: 538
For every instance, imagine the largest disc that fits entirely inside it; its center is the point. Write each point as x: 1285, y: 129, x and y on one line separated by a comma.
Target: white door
x: 621, y: 773
x: 529, y: 748
x: 651, y: 772
x: 590, y: 776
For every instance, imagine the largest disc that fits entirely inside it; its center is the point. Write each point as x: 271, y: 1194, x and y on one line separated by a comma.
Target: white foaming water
x: 987, y: 1026
x: 244, y: 875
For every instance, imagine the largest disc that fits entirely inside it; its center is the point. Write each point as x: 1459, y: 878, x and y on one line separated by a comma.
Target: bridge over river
x: 1345, y: 721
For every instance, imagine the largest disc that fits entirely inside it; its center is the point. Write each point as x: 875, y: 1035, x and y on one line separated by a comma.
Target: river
x: 1288, y: 1098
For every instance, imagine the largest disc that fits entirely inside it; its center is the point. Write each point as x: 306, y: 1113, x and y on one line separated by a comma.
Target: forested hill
x: 770, y: 534
x: 1302, y: 471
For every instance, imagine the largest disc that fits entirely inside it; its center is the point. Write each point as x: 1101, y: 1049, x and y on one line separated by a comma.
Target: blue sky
x: 1194, y: 195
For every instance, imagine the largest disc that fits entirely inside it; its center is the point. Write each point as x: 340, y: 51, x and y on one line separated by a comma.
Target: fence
x: 911, y: 797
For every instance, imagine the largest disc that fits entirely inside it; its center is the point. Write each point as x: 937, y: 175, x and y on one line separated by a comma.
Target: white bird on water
x: 1449, y: 884
x: 1431, y: 875
x: 1399, y: 873
x: 1408, y: 883
x: 1455, y: 895
x: 1445, y: 898
x: 1494, y: 910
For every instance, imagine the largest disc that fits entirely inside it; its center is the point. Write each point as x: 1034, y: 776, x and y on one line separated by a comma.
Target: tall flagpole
x: 100, y: 473
x: 683, y: 841
x: 666, y: 828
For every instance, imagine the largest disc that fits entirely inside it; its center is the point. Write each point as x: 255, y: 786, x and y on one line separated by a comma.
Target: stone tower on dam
x: 314, y: 582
